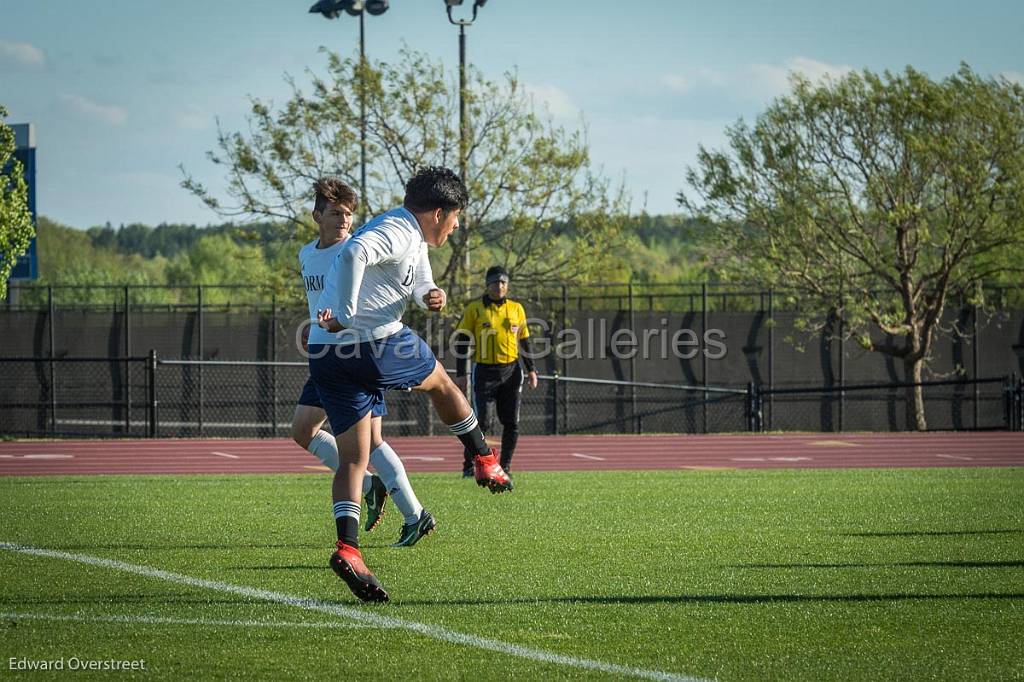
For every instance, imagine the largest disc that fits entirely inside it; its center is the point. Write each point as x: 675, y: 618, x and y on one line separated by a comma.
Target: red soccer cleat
x: 347, y: 562
x: 489, y: 473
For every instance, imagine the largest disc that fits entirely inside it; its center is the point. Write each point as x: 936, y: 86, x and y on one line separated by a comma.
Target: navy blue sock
x: 346, y: 518
x: 468, y: 431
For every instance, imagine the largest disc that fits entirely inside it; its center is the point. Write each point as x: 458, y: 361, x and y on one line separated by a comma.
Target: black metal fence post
x: 751, y: 407
x: 52, y: 319
x: 127, y: 367
x: 842, y: 360
x: 273, y: 368
x: 771, y: 355
x: 1013, y: 401
x: 1020, y: 404
x: 199, y: 369
x: 974, y: 363
x: 554, y: 391
x: 638, y: 428
x: 564, y: 371
x: 151, y: 374
x: 703, y: 354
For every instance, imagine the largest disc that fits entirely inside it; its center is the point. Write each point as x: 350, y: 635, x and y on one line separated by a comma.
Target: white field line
x: 956, y: 457
x: 582, y: 456
x: 155, y: 620
x: 358, y: 615
x: 225, y: 454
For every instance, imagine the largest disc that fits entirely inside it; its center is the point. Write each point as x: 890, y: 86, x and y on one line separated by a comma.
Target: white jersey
x: 376, y: 271
x: 315, y: 264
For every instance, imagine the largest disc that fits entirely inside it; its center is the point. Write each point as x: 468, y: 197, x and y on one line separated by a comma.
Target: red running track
x: 535, y: 453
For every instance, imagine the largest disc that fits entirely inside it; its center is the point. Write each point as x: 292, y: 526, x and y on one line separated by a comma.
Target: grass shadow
x: 902, y: 564
x: 930, y: 533
x: 718, y: 599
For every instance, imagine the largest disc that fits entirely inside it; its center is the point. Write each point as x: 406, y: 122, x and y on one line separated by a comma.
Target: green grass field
x: 735, y: 575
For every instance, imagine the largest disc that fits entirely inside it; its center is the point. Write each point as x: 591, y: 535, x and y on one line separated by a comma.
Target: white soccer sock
x: 391, y: 470
x: 325, y: 448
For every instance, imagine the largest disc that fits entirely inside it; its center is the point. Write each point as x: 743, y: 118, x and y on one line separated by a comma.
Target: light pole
x: 332, y: 9
x: 463, y: 153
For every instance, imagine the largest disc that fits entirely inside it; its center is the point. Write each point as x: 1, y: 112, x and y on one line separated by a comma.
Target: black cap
x: 497, y: 273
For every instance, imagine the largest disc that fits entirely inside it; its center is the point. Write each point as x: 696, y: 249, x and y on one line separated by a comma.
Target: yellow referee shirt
x: 496, y: 330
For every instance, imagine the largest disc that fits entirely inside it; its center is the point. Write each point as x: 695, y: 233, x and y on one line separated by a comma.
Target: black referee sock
x: 468, y: 431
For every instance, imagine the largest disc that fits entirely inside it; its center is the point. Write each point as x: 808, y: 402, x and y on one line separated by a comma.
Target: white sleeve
x: 385, y: 241
x: 341, y: 289
x: 424, y: 278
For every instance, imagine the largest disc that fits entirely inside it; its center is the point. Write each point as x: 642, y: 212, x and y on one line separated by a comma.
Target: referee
x: 496, y: 326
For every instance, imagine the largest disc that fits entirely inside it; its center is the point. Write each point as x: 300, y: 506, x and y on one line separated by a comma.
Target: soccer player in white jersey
x: 377, y: 271
x: 333, y: 206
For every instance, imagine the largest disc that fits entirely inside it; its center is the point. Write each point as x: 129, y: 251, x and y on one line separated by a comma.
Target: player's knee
x: 302, y: 432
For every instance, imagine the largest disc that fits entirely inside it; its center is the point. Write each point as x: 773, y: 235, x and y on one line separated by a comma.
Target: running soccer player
x: 365, y: 294
x: 333, y: 206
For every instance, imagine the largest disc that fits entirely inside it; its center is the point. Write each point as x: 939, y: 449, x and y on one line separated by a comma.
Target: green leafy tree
x: 83, y: 271
x: 876, y: 197
x: 220, y: 260
x: 525, y: 175
x: 16, y: 228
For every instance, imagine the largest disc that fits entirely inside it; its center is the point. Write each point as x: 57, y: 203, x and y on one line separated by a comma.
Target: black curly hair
x: 434, y: 187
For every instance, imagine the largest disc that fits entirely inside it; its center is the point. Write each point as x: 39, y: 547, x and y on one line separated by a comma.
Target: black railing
x: 634, y: 296
x: 134, y: 396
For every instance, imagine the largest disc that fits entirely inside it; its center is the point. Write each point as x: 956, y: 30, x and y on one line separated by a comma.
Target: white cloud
x: 685, y: 82
x: 1013, y: 76
x: 21, y: 55
x: 105, y: 113
x: 677, y: 82
x: 555, y: 99
x: 773, y: 79
x: 192, y: 118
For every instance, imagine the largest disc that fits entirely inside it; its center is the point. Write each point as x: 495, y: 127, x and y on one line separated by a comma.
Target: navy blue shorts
x: 351, y: 379
x: 310, y: 398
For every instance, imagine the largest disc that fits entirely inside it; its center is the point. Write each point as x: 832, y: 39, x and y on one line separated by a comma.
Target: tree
x: 219, y: 260
x: 16, y: 227
x: 876, y: 197
x: 524, y: 174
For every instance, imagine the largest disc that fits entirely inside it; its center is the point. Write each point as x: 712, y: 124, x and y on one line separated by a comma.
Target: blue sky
x: 123, y: 92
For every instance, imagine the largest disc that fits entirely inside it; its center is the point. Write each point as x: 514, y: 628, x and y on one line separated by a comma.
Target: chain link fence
x: 91, y: 397
x: 151, y: 397
x: 954, y: 405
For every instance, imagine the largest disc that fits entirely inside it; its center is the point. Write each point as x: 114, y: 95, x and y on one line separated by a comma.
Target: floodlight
x: 332, y: 9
